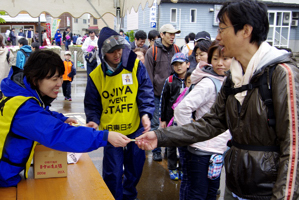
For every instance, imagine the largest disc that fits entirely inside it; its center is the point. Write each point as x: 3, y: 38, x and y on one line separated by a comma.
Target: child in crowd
x: 69, y: 73
x: 35, y: 46
x: 207, y: 80
x: 140, y: 52
x: 173, y: 87
x: 23, y: 53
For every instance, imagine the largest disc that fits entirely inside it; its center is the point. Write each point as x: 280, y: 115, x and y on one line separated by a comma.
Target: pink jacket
x: 200, y: 99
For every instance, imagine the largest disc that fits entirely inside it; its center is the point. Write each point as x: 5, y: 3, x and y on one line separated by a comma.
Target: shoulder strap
x: 24, y: 53
x: 155, y: 50
x: 265, y: 89
x: 170, y: 78
x: 7, y: 56
x: 264, y: 83
x: 176, y: 48
x: 217, y: 84
x: 188, y: 47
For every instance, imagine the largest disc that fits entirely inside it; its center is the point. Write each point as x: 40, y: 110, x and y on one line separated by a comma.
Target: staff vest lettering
x: 8, y: 108
x: 118, y: 96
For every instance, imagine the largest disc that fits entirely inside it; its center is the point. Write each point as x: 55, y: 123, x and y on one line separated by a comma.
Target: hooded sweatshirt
x: 57, y: 36
x: 200, y: 99
x: 93, y: 102
x: 21, y: 58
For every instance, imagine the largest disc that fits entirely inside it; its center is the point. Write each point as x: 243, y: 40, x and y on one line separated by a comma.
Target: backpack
x: 155, y: 52
x: 264, y: 84
x: 217, y: 84
x: 25, y: 54
x: 190, y: 50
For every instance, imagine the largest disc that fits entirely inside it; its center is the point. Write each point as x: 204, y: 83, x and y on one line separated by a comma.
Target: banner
x: 48, y: 30
x: 153, y: 19
x: 55, y: 25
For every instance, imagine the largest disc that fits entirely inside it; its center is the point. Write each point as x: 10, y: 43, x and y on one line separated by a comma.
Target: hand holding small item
x: 118, y: 139
x: 70, y: 121
x: 147, y: 141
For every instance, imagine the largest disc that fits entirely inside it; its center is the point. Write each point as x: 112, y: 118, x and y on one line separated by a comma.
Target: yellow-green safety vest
x: 8, y: 108
x: 118, y: 96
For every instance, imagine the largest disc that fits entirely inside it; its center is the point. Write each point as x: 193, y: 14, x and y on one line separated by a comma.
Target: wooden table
x: 8, y: 193
x: 83, y: 181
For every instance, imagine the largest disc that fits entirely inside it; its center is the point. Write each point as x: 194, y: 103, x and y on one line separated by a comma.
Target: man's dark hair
x: 187, y: 39
x: 23, y: 41
x: 191, y: 36
x: 140, y: 35
x: 251, y: 12
x: 35, y: 45
x: 42, y: 64
x: 90, y: 32
x: 152, y: 34
x: 121, y: 30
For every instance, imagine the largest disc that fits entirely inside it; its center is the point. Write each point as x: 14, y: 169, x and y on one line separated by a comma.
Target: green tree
x: 2, y: 20
x: 131, y: 35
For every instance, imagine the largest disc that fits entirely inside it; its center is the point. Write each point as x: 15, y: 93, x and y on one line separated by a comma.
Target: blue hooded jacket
x: 21, y: 58
x: 33, y: 122
x: 57, y: 36
x: 145, y: 96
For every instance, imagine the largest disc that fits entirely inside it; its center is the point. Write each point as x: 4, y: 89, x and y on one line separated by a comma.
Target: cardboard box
x: 49, y: 163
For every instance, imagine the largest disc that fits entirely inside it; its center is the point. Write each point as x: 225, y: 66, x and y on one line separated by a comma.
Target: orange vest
x: 67, y: 69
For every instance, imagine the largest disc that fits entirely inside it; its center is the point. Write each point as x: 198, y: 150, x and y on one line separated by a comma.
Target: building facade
x: 200, y: 15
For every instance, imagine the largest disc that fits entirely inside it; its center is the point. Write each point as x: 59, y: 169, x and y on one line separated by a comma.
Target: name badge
x: 127, y: 79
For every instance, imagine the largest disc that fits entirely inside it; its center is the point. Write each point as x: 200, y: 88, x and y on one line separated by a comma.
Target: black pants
x: 66, y: 89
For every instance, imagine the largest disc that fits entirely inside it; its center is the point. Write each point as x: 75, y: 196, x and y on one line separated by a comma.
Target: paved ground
x: 155, y: 183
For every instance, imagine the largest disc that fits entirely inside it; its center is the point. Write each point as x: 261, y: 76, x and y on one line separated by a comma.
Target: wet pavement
x: 155, y: 183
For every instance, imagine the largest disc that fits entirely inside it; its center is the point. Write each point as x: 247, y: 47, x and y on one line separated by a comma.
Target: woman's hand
x: 70, y: 121
x: 118, y: 139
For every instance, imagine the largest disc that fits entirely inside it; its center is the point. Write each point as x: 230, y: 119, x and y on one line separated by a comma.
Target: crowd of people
x: 230, y: 102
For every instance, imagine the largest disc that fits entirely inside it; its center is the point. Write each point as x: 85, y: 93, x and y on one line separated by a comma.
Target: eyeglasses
x: 220, y: 30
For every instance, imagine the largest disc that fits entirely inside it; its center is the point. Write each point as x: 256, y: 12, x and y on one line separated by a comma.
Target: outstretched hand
x: 118, y: 139
x: 70, y: 121
x: 147, y: 141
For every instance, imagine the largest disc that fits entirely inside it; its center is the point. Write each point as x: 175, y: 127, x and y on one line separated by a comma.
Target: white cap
x: 168, y: 28
x: 67, y: 53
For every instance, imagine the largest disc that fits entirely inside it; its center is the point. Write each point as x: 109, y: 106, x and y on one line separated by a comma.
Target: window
x: 193, y: 15
x: 173, y: 14
x: 75, y: 20
x: 216, y: 11
x: 3, y: 28
x: 84, y: 21
x: 95, y: 21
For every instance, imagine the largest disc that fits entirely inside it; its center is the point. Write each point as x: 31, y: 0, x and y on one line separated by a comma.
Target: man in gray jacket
x: 157, y: 63
x: 263, y: 160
